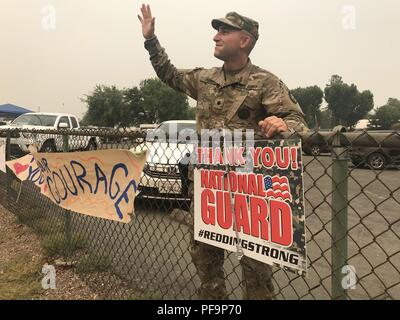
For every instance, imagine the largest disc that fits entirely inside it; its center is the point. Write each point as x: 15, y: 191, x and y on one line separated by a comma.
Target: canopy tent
x: 11, y: 111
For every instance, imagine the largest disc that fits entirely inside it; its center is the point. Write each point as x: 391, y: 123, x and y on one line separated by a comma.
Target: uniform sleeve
x: 278, y: 101
x: 183, y: 80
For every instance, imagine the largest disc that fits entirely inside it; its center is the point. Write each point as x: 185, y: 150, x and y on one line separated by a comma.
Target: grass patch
x: 94, y: 263
x: 29, y: 215
x: 46, y: 226
x: 40, y: 223
x: 26, y: 217
x: 20, y: 279
x: 57, y: 244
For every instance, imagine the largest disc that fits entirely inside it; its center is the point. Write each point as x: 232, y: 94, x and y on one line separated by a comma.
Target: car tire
x: 376, y: 161
x: 48, y: 146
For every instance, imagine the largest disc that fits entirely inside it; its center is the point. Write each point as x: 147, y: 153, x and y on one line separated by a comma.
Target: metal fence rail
x: 352, y: 218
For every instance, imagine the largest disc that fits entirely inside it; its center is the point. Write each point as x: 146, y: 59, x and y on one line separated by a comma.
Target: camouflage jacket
x: 239, y: 103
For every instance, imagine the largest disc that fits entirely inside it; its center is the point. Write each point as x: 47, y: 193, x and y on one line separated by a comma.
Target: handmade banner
x: 25, y: 168
x: 97, y: 183
x: 3, y: 154
x: 254, y: 208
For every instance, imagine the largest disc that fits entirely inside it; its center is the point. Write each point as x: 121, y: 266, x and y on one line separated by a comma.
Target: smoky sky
x: 55, y: 52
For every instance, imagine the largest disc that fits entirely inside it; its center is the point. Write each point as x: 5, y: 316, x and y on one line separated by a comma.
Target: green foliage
x: 310, y: 99
x: 56, y: 244
x: 106, y: 107
x: 152, y: 102
x: 387, y: 116
x: 162, y: 103
x: 133, y: 107
x: 94, y: 263
x: 346, y: 104
x: 191, y: 115
x: 325, y: 119
x: 45, y: 226
x: 20, y: 278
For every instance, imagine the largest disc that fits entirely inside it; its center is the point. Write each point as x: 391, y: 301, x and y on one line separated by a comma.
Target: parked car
x: 47, y: 142
x: 163, y: 173
x: 374, y: 149
x: 317, y: 142
x: 148, y: 126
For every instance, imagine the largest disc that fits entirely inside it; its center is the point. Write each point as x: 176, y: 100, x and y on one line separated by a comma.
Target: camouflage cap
x: 237, y: 21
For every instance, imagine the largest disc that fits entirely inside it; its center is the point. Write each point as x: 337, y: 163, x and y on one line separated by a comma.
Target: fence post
x: 67, y: 213
x: 339, y: 214
x: 8, y: 158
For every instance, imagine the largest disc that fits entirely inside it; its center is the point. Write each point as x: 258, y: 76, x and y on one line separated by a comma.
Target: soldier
x: 238, y: 95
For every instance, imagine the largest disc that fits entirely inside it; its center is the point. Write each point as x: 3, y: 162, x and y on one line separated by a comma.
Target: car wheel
x: 315, y: 150
x: 91, y: 146
x: 48, y: 146
x: 377, y: 161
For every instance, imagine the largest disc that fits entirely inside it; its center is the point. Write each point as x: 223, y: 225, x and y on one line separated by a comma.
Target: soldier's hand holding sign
x: 272, y: 125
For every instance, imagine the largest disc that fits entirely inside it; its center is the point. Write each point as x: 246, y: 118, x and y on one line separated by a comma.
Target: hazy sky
x: 54, y: 52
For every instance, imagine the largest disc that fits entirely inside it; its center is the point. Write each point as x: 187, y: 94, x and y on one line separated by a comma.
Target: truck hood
x: 166, y: 152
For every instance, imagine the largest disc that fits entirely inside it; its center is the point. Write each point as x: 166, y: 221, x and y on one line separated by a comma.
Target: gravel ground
x: 21, y: 261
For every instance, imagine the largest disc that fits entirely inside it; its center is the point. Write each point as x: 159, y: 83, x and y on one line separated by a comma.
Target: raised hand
x: 148, y: 22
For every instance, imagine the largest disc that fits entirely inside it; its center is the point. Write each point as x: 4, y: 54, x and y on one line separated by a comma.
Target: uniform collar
x: 242, y: 77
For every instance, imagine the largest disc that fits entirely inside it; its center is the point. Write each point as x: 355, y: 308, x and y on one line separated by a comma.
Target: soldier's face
x: 228, y: 43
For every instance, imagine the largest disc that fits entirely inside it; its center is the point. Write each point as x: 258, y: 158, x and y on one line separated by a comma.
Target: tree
x: 310, y: 99
x: 106, y: 107
x: 134, y: 114
x: 161, y: 103
x: 346, y: 103
x: 191, y: 113
x: 325, y: 118
x: 152, y: 102
x: 387, y: 116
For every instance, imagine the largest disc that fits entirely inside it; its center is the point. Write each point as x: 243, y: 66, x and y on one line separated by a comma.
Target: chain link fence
x: 352, y: 206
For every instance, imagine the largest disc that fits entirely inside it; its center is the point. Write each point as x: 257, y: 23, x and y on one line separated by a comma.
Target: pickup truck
x: 47, y: 142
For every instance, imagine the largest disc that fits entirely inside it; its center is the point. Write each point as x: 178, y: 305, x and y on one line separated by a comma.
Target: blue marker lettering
x: 99, y: 177
x: 80, y: 177
x: 116, y: 167
x: 124, y: 196
x: 51, y: 191
x: 75, y: 192
x: 55, y: 174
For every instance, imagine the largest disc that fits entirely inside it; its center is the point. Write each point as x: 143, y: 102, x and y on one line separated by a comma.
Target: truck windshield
x: 36, y: 120
x: 172, y: 131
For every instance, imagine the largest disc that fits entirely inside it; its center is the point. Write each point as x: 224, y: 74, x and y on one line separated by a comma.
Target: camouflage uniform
x: 235, y: 101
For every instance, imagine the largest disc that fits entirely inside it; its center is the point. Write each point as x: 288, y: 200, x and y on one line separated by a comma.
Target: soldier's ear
x: 245, y: 41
